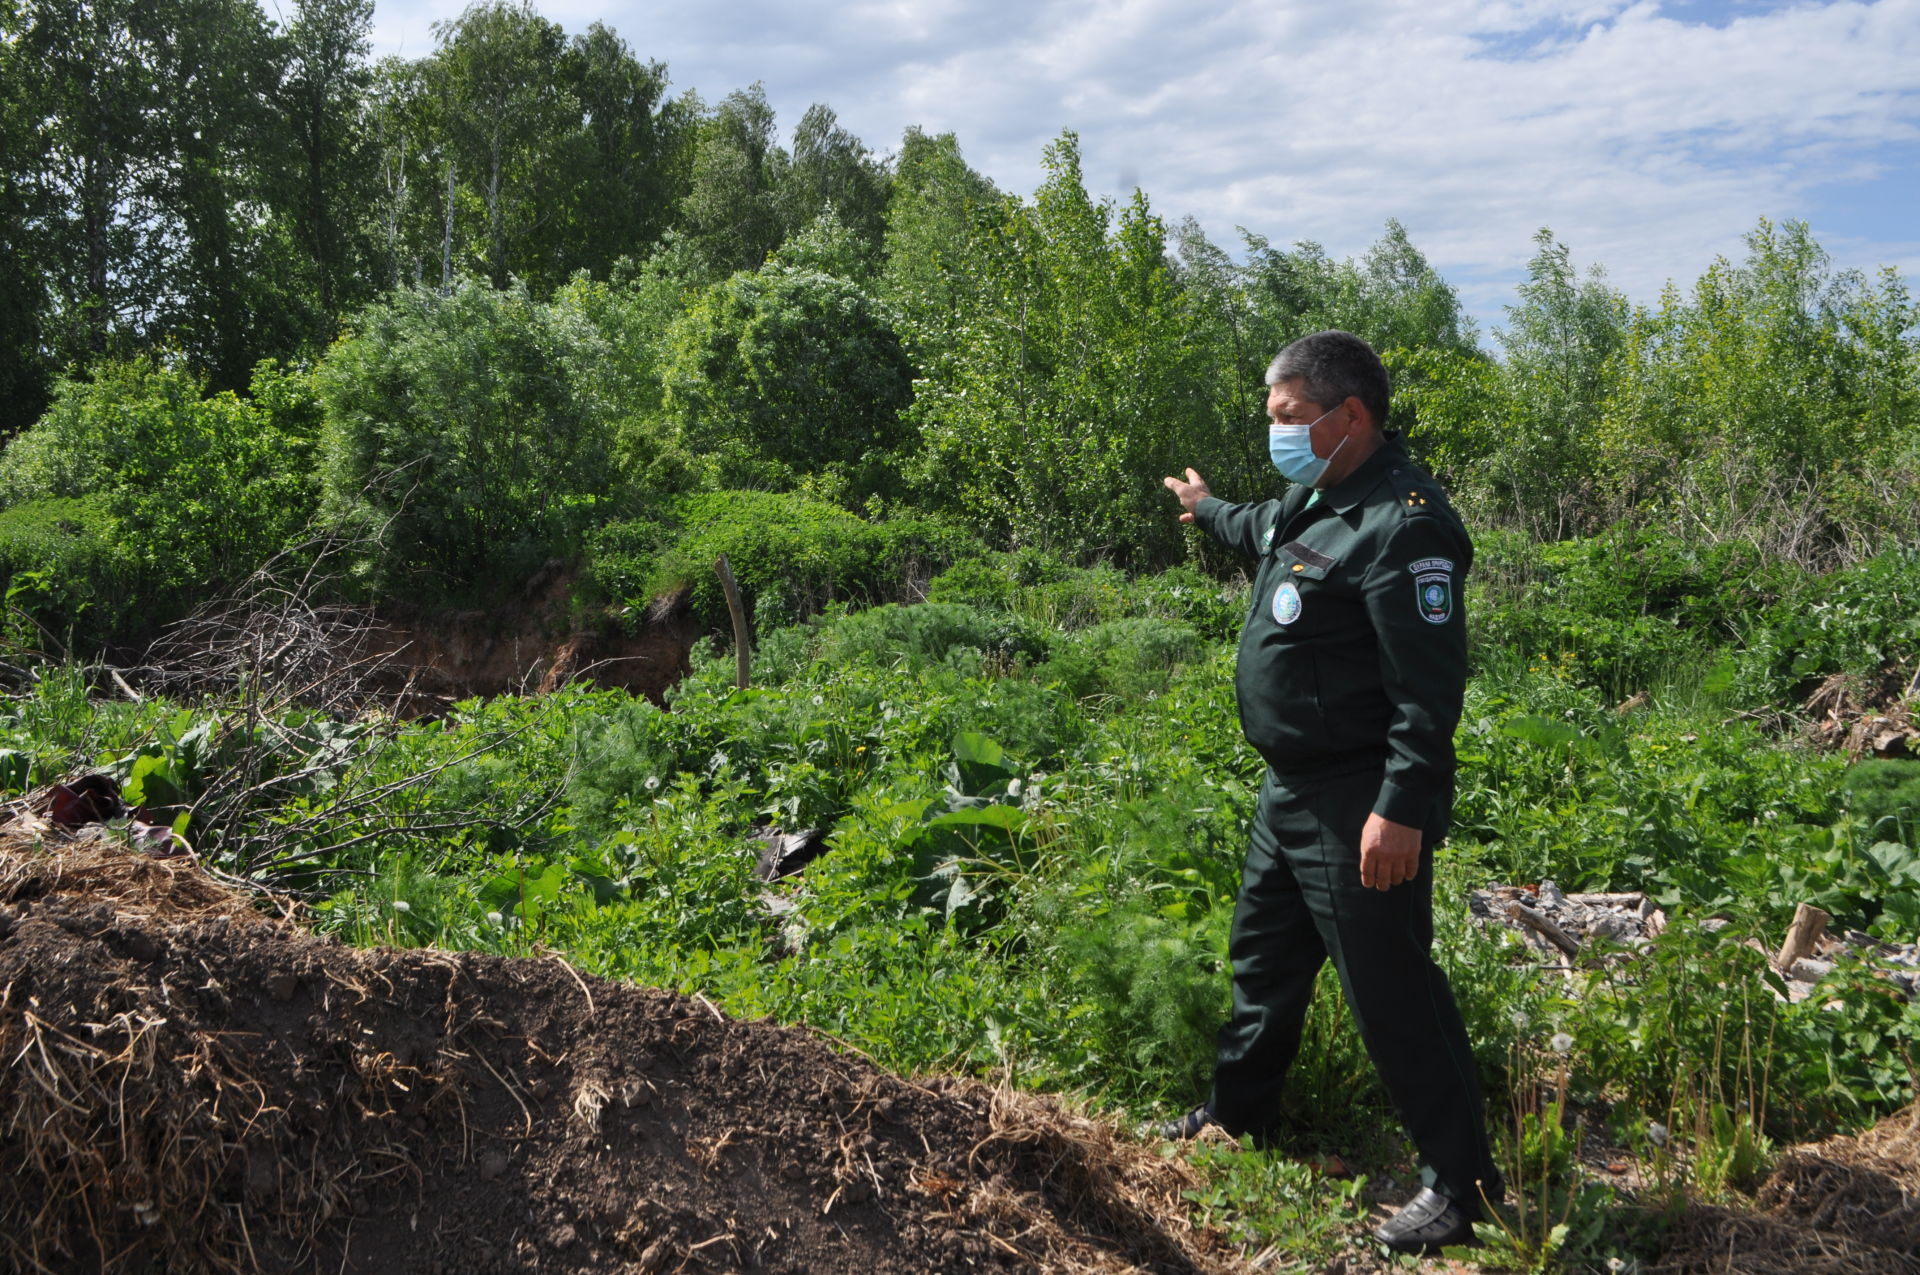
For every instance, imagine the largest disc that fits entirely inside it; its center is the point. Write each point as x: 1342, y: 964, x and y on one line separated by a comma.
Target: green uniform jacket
x: 1356, y: 643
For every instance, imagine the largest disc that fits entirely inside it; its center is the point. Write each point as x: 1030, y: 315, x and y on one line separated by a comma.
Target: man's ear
x: 1357, y: 410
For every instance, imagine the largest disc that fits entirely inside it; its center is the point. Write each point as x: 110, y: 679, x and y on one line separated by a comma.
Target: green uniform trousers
x: 1301, y: 903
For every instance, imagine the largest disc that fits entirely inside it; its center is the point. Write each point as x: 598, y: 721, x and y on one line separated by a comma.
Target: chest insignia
x: 1286, y: 603
x: 1266, y: 541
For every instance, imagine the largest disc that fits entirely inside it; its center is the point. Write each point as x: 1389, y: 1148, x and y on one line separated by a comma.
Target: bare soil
x: 531, y: 647
x: 189, y: 1085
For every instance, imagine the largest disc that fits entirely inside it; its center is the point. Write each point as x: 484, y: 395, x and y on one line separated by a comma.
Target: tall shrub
x: 134, y: 487
x: 470, y: 435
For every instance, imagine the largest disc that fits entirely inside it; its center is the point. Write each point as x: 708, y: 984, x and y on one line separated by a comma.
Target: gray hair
x: 1333, y: 366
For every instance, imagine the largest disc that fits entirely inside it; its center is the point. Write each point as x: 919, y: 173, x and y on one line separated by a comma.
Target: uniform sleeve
x: 1237, y: 526
x: 1414, y: 597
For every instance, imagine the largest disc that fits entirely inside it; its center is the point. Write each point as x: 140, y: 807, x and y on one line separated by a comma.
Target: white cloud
x: 1649, y: 136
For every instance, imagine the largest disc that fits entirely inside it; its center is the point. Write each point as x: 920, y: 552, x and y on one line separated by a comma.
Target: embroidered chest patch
x: 1286, y: 603
x: 1433, y: 589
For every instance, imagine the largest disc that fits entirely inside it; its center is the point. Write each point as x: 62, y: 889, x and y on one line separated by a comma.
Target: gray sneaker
x: 1426, y: 1224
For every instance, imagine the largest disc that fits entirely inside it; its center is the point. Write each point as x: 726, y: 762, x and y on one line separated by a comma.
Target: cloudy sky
x: 1650, y: 136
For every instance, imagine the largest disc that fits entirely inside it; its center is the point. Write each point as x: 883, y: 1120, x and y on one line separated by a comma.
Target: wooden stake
x: 1809, y: 923
x: 742, y: 654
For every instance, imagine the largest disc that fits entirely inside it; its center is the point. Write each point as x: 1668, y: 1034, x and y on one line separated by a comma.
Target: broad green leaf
x: 1542, y: 732
x: 1006, y: 818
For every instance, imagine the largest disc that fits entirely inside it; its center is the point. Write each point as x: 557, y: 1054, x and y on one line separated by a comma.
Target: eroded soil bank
x: 191, y: 1086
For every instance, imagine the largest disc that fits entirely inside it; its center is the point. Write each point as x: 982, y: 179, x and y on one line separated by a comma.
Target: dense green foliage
x: 636, y: 295
x: 510, y: 306
x: 134, y: 494
x: 1034, y: 796
x: 468, y: 434
x: 780, y: 376
x: 792, y: 555
x: 684, y: 301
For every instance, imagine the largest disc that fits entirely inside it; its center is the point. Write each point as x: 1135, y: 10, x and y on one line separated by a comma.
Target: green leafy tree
x: 507, y: 112
x: 936, y: 209
x: 1071, y: 384
x: 149, y: 149
x: 470, y: 433
x: 784, y: 374
x: 1560, y: 346
x: 732, y: 213
x: 631, y: 156
x: 1741, y: 406
x: 187, y: 493
x: 329, y: 173
x: 832, y: 171
x: 401, y: 139
x: 634, y: 314
x: 97, y: 155
x: 1233, y: 345
x: 239, y: 292
x: 25, y: 374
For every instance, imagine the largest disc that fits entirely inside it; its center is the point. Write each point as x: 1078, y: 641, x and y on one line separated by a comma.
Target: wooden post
x: 742, y: 654
x: 1809, y: 923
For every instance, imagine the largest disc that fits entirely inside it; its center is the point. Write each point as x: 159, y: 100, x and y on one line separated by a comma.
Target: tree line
x: 486, y: 301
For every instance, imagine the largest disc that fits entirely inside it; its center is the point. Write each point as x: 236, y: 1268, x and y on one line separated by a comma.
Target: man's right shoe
x: 1186, y: 1127
x: 1426, y: 1224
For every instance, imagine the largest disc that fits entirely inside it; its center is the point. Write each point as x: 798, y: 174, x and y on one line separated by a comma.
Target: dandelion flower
x: 1561, y: 1043
x: 494, y: 918
x: 401, y: 905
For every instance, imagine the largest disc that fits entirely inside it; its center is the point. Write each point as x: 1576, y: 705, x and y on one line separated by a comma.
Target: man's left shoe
x: 1426, y: 1224
x: 1187, y: 1127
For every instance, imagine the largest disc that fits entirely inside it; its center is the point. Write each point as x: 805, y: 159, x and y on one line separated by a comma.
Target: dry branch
x: 1544, y: 926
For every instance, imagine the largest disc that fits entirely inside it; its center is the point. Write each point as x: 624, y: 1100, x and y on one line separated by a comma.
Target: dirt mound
x: 1846, y: 1206
x: 189, y: 1085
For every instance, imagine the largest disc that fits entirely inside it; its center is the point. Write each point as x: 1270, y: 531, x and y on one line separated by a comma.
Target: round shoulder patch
x: 1286, y: 603
x: 1435, y: 592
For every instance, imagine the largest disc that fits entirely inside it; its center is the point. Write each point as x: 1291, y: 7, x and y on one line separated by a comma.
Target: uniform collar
x: 1352, y: 489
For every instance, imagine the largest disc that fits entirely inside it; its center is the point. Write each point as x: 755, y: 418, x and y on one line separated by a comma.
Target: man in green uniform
x: 1352, y: 664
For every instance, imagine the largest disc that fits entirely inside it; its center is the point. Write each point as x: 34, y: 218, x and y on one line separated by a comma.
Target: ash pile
x: 1561, y: 927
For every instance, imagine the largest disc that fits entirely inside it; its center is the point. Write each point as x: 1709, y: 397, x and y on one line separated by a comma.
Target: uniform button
x: 1299, y: 567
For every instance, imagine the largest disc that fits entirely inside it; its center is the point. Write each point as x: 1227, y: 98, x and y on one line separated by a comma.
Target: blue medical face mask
x: 1291, y: 447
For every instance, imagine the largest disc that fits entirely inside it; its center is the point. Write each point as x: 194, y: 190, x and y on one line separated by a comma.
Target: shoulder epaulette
x: 1415, y: 491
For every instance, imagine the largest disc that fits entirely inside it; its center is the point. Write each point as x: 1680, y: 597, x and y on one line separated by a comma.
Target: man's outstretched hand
x: 1189, y: 493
